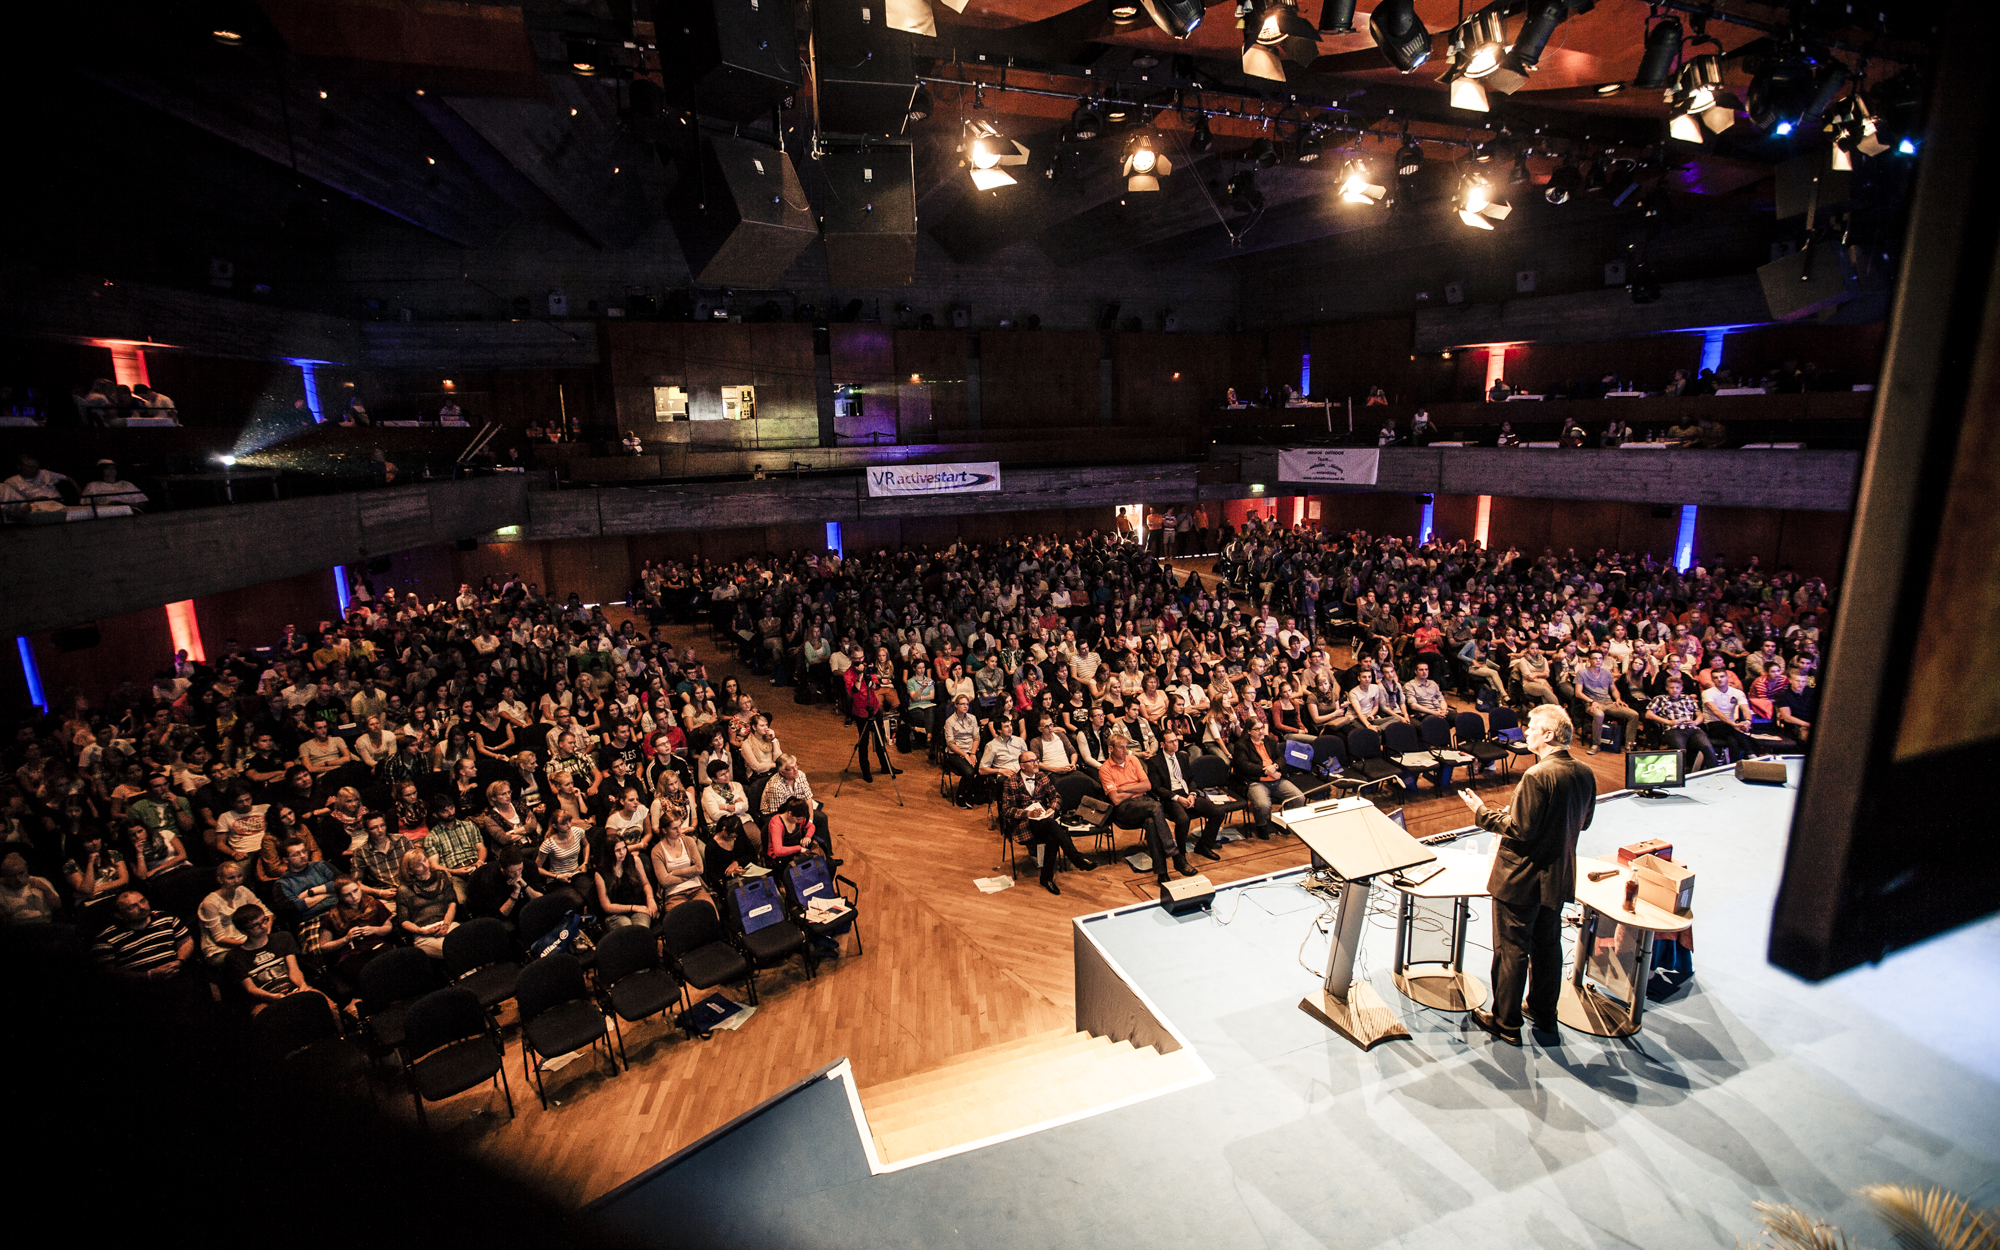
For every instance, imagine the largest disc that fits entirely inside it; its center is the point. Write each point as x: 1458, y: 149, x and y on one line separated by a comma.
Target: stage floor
x: 1748, y: 1086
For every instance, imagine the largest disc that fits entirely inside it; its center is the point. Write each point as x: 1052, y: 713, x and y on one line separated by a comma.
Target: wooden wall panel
x: 133, y: 645
x: 257, y: 615
x: 1732, y: 535
x: 1169, y: 377
x: 1815, y: 543
x: 937, y: 358
x: 1454, y: 517
x: 1852, y: 352
x: 1376, y: 513
x: 1039, y: 380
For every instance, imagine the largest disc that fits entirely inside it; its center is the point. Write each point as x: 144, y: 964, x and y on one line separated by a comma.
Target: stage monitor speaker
x: 1809, y: 282
x: 75, y: 638
x: 867, y: 77
x: 1761, y: 772
x: 733, y: 59
x: 1186, y: 894
x: 870, y: 220
x: 741, y: 216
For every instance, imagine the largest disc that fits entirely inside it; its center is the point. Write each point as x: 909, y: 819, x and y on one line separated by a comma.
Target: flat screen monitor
x: 1654, y: 770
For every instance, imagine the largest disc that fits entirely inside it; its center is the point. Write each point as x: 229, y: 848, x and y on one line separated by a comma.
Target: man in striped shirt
x: 142, y: 944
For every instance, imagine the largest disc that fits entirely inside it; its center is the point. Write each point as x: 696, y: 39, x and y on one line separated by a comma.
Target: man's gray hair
x: 1556, y: 721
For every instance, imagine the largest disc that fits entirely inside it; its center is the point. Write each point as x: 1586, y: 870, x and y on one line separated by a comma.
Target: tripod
x: 861, y: 743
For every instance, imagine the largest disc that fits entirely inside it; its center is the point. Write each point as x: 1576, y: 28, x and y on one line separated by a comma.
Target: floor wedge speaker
x: 1186, y: 894
x: 1761, y: 772
x: 740, y: 215
x: 870, y: 221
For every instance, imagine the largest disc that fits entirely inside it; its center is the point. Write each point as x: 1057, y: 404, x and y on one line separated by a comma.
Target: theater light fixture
x: 1479, y: 204
x: 1202, y: 139
x: 916, y: 16
x: 989, y: 153
x: 1399, y: 32
x: 1663, y: 47
x: 1274, y: 33
x: 1178, y: 18
x: 1700, y: 106
x: 1124, y: 14
x: 1357, y: 185
x: 921, y: 104
x: 1242, y: 193
x: 1566, y: 181
x: 1087, y: 122
x: 1145, y: 164
x: 1310, y: 147
x: 1478, y: 44
x: 1262, y: 153
x: 1117, y: 112
x: 1409, y: 158
x: 1336, y: 17
x: 582, y: 59
x: 1856, y: 130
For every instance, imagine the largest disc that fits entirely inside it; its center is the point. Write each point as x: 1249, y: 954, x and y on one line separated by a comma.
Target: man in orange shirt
x: 1255, y: 762
x: 1130, y: 791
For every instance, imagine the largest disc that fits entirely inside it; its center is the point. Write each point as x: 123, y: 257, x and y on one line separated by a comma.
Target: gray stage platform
x: 1750, y: 1085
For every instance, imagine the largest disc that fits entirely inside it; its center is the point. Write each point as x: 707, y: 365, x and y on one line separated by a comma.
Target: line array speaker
x: 870, y: 221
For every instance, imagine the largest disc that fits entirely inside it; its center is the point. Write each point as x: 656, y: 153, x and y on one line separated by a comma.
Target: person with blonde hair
x: 426, y: 905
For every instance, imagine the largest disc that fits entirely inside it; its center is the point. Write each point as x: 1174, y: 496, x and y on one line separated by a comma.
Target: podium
x: 1614, y: 950
x: 1359, y: 843
x: 1441, y: 984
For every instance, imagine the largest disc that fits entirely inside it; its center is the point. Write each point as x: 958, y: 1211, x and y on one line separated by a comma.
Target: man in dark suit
x: 1028, y: 805
x: 1256, y: 759
x: 1534, y: 874
x: 1178, y: 799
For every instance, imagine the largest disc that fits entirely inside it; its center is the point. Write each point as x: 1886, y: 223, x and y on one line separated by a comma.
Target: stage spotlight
x: 1610, y: 88
x: 227, y: 460
x: 1543, y: 18
x: 1783, y: 89
x: 1856, y: 130
x: 1356, y: 185
x: 582, y: 58
x: 1087, y: 122
x: 1400, y: 33
x: 1178, y: 18
x: 1478, y: 44
x: 1117, y: 112
x: 1469, y: 95
x: 228, y: 39
x: 1242, y: 192
x: 1336, y: 17
x: 1262, y: 153
x: 1700, y: 106
x: 1145, y: 164
x: 1275, y: 34
x: 1663, y: 46
x: 1409, y: 158
x: 1124, y: 14
x: 921, y: 104
x: 1310, y: 148
x: 1478, y: 204
x: 1201, y: 140
x: 1566, y: 181
x: 989, y: 153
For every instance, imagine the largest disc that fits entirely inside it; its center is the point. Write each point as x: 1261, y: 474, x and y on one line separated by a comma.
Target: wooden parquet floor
x: 947, y: 970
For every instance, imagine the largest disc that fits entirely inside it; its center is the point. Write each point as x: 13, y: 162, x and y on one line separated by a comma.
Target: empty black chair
x: 629, y: 973
x: 452, y: 1047
x: 1435, y: 731
x: 1365, y: 762
x: 483, y: 956
x: 303, y: 1031
x: 1470, y: 728
x: 763, y: 930
x: 558, y: 1015
x: 699, y: 950
x: 1209, y: 775
x: 390, y: 983
x: 1406, y: 751
x: 809, y: 877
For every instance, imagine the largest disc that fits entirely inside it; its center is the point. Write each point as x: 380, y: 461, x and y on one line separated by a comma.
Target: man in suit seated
x: 1028, y: 803
x: 1179, y: 801
x: 1256, y: 763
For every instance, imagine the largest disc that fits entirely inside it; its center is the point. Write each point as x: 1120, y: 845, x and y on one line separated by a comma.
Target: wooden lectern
x: 1359, y: 843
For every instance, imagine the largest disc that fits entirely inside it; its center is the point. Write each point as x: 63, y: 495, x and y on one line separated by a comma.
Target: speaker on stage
x: 740, y: 214
x: 1761, y: 772
x: 1187, y: 893
x: 867, y: 77
x: 734, y: 59
x: 870, y: 223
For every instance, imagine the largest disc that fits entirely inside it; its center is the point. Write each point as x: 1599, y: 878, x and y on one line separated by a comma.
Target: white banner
x: 936, y: 479
x: 1340, y: 466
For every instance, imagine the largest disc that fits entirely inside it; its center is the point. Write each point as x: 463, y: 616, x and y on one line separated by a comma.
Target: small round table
x: 1443, y: 985
x: 1586, y: 1007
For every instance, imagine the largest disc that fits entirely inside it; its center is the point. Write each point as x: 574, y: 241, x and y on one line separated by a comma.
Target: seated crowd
x: 33, y: 489
x: 1089, y: 668
x: 271, y: 822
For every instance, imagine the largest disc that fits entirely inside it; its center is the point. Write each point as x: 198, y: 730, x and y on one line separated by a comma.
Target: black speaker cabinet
x: 741, y: 216
x: 867, y: 77
x: 733, y: 59
x: 1761, y: 772
x: 870, y: 216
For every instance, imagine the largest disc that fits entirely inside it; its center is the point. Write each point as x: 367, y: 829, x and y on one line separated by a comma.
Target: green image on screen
x: 1653, y: 770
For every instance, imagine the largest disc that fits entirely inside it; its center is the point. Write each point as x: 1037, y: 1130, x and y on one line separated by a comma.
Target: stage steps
x: 1012, y: 1085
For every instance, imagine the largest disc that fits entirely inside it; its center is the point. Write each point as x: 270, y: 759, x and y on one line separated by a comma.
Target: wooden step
x: 1015, y: 1097
x: 1004, y: 1069
x: 997, y: 1052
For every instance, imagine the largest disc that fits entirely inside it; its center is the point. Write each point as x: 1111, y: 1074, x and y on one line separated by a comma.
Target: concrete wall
x: 63, y: 574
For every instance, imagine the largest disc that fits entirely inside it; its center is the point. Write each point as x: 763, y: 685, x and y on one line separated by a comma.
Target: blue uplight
x: 1424, y: 533
x: 1783, y: 128
x: 1684, y: 545
x: 833, y: 538
x: 340, y: 587
x: 1907, y: 147
x: 31, y: 672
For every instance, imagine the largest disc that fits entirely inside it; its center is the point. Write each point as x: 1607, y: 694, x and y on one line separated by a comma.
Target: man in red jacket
x: 866, y: 705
